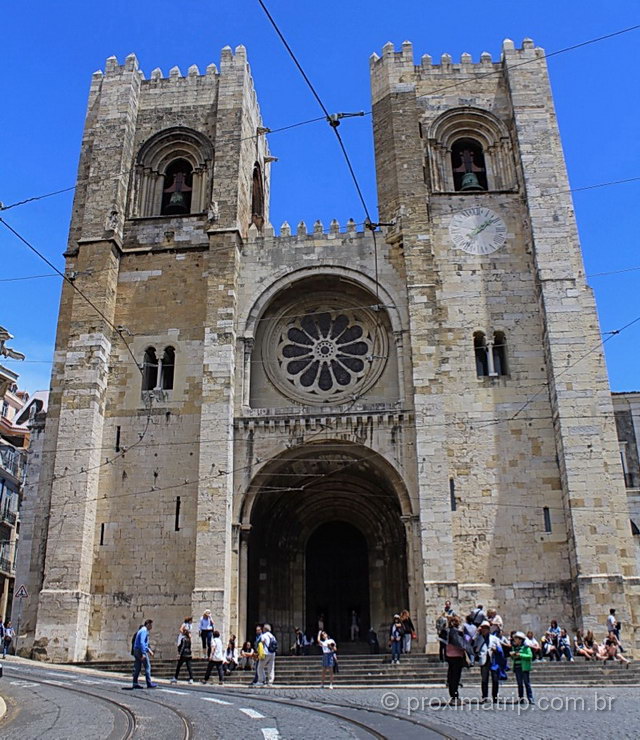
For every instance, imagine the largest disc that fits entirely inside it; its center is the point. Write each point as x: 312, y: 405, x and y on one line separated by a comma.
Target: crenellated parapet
x: 230, y: 60
x: 306, y: 235
x: 398, y: 67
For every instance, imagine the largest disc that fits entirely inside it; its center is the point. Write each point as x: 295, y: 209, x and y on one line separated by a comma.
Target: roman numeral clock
x: 477, y: 230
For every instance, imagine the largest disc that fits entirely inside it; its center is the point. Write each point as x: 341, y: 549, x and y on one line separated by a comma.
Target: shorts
x: 327, y: 660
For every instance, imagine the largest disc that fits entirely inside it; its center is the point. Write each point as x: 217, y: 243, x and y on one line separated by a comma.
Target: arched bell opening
x: 176, y: 193
x: 326, y: 538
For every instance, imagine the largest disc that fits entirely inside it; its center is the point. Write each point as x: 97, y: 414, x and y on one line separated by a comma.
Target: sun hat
x: 521, y: 635
x: 485, y: 624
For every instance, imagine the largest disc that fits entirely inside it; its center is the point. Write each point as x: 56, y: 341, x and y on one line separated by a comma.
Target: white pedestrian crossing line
x: 173, y: 691
x: 216, y: 701
x: 251, y: 713
x: 25, y: 684
x: 270, y: 733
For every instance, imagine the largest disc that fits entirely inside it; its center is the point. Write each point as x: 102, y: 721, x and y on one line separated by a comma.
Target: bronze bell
x: 177, y: 201
x: 470, y: 182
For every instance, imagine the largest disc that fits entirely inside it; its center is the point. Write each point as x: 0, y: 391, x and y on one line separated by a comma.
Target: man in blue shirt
x: 141, y: 653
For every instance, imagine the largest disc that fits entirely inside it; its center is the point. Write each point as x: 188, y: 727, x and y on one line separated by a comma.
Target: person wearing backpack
x: 267, y: 661
x: 184, y: 656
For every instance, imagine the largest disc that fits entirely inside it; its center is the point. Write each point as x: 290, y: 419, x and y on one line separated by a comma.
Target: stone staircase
x: 376, y: 670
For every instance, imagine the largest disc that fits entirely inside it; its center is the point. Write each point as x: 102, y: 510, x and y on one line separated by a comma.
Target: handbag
x: 414, y: 635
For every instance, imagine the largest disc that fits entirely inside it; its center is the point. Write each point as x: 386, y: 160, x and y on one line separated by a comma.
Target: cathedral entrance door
x: 337, y: 579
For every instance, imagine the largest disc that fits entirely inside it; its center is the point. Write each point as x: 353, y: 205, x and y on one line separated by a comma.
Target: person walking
x: 355, y: 626
x: 396, y: 634
x: 409, y: 631
x: 485, y: 646
x: 267, y: 663
x: 478, y: 616
x: 256, y: 657
x: 184, y: 656
x: 329, y: 650
x: 8, y: 633
x: 216, y: 659
x: 142, y: 654
x: 469, y: 631
x: 521, y: 656
x: 206, y: 628
x: 456, y: 657
x: 442, y: 629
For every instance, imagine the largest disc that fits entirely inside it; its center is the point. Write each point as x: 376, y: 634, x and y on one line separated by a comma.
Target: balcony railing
x: 8, y: 516
x: 6, y: 565
x: 12, y: 460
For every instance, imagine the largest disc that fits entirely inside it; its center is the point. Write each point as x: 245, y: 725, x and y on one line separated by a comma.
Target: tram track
x: 401, y: 726
x: 122, y: 708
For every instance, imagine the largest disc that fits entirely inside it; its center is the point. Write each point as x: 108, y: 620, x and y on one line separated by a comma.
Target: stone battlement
x: 318, y: 230
x: 405, y: 57
x: 228, y: 58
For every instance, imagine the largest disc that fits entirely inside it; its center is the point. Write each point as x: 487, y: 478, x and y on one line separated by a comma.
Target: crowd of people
x: 479, y: 639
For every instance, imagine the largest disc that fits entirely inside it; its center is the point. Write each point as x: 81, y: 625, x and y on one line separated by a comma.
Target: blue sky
x: 50, y: 49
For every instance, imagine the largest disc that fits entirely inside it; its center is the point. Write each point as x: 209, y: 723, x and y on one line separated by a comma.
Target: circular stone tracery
x: 324, y: 351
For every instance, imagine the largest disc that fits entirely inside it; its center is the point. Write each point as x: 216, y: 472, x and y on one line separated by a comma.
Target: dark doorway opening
x: 337, y: 580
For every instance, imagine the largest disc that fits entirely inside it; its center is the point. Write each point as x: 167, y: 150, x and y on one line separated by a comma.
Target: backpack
x: 273, y: 645
x: 441, y: 623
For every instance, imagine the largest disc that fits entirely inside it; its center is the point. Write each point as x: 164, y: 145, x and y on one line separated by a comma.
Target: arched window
x: 173, y: 174
x: 481, y: 353
x: 149, y: 369
x: 167, y: 369
x: 499, y: 353
x: 176, y: 193
x: 257, y: 197
x: 469, y: 150
x: 467, y: 162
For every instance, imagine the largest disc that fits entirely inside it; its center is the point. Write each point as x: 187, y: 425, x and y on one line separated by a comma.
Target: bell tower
x: 521, y: 488
x: 163, y: 200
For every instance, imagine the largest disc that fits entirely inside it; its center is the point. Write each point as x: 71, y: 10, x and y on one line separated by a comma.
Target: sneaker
x: 330, y: 685
x: 152, y: 685
x: 220, y: 683
x: 190, y: 680
x: 174, y: 680
x: 137, y: 686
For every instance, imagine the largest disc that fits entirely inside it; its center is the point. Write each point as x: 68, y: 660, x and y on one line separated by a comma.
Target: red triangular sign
x: 21, y: 593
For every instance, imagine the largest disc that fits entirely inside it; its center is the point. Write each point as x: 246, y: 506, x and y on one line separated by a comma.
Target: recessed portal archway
x: 326, y: 536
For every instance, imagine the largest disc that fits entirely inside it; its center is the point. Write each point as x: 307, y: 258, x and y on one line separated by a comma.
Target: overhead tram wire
x: 343, y: 148
x: 118, y: 332
x: 573, y: 47
x: 473, y: 426
x: 266, y: 131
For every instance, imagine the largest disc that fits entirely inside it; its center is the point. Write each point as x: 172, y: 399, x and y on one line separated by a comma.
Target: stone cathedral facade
x: 327, y: 420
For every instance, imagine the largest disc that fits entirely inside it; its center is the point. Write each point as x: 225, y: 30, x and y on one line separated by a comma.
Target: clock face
x: 477, y: 230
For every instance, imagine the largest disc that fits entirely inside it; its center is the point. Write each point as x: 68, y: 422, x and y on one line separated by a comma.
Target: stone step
x: 307, y: 672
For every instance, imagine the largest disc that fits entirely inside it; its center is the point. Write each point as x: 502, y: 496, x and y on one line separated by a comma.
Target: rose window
x: 325, y: 354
